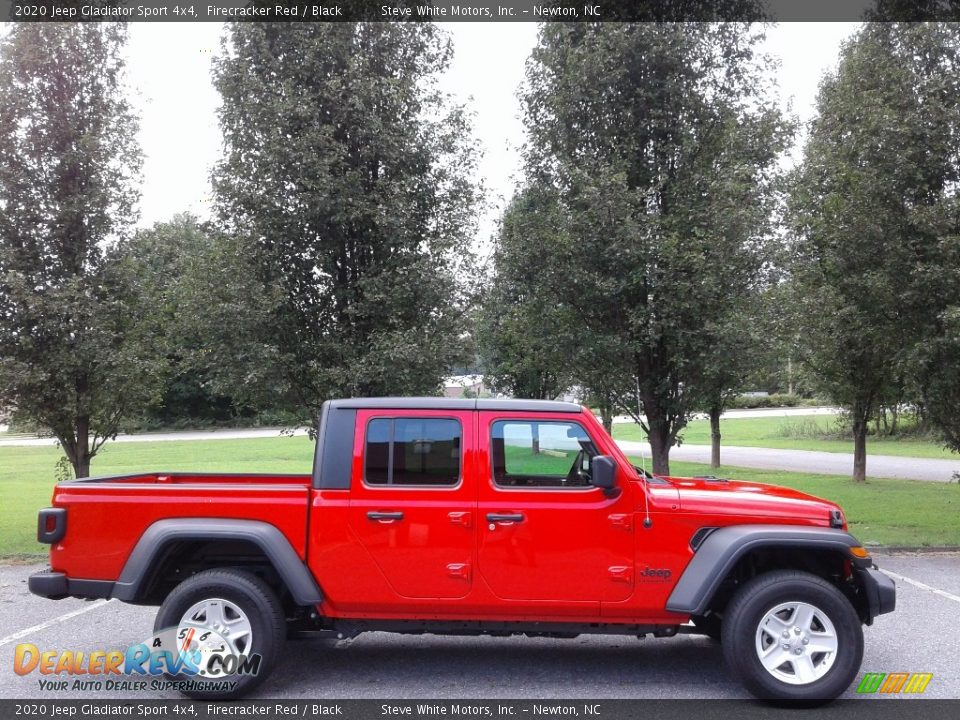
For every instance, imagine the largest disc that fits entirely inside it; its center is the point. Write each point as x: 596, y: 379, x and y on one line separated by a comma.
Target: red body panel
x: 578, y: 554
x: 107, y: 518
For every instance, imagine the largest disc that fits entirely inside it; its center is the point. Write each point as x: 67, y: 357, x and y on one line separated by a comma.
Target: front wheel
x: 233, y: 626
x: 792, y: 636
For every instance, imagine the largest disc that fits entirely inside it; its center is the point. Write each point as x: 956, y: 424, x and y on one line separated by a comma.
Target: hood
x: 733, y: 497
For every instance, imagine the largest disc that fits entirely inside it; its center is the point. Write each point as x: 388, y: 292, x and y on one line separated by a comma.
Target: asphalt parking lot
x: 921, y: 636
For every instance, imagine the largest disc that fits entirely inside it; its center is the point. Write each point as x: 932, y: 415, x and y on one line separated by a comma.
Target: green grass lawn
x: 27, y: 474
x: 891, y: 512
x: 888, y: 512
x: 783, y: 432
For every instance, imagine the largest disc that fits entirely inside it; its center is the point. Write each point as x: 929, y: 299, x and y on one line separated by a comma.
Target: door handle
x: 505, y: 517
x: 375, y: 515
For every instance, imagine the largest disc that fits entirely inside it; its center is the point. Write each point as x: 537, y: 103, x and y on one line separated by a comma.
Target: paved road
x: 917, y: 638
x: 180, y: 435
x: 810, y: 461
x: 758, y: 413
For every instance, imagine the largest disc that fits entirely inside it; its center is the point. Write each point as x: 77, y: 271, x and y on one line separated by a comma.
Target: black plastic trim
x: 352, y: 627
x: 56, y: 586
x: 333, y: 458
x: 59, y: 516
x: 47, y: 584
x: 881, y: 592
x: 699, y: 536
x: 438, y: 403
x: 276, y: 547
x: 721, y: 550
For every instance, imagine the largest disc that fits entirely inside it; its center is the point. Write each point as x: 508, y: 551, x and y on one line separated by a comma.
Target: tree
x: 199, y: 286
x: 872, y: 206
x: 661, y: 141
x: 941, y: 378
x: 351, y: 175
x: 741, y: 345
x: 72, y: 357
x: 522, y: 332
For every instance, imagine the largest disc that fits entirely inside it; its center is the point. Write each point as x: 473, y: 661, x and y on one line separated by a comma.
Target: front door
x: 413, y: 507
x: 546, y: 533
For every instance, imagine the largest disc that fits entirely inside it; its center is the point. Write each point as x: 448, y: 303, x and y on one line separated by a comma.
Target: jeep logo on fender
x: 650, y: 573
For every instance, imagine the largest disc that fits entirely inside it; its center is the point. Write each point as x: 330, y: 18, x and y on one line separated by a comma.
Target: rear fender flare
x: 149, y: 548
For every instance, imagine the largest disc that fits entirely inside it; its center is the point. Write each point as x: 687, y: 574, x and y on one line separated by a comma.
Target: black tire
x: 741, y: 637
x: 262, y: 609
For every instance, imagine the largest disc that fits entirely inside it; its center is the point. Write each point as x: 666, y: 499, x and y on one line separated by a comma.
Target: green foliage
x: 75, y: 357
x: 527, y: 340
x: 776, y: 400
x: 350, y: 175
x: 660, y: 141
x: 202, y: 290
x: 873, y: 209
x: 941, y: 377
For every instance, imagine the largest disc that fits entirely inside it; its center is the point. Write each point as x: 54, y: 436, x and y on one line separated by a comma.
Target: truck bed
x: 106, y: 516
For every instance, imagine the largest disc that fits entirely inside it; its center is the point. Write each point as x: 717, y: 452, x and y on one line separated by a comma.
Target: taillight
x: 51, y: 525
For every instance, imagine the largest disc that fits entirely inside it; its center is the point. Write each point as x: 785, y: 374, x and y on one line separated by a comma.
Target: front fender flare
x: 285, y: 560
x: 719, y: 552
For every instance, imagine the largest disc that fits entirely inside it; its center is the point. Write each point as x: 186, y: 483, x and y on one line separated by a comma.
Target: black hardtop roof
x: 441, y: 403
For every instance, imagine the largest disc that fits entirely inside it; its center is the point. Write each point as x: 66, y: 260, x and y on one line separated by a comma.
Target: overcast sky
x: 169, y: 69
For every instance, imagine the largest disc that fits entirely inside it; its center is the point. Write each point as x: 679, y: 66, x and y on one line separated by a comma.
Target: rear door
x: 413, y: 506
x: 546, y: 533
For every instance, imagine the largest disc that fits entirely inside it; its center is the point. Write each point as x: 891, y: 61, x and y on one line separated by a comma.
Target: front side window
x: 554, y: 454
x: 413, y: 451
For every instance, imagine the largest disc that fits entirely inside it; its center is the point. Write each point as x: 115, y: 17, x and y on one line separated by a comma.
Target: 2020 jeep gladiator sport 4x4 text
x: 426, y: 515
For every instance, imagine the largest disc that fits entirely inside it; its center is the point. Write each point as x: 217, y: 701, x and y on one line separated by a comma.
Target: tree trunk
x: 859, y: 446
x: 606, y: 416
x: 536, y: 438
x: 659, y: 448
x: 715, y: 438
x: 607, y: 419
x: 79, y: 455
x: 81, y: 468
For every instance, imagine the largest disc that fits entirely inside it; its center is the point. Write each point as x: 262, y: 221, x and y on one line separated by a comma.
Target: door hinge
x: 459, y: 570
x: 461, y: 518
x: 621, y: 573
x: 624, y: 521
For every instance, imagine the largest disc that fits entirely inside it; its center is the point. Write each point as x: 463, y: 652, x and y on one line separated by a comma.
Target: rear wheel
x: 226, y: 618
x: 792, y: 636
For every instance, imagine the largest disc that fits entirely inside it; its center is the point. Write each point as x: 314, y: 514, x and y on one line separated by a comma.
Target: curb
x: 913, y: 548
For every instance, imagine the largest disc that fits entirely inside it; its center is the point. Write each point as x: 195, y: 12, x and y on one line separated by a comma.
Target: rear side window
x: 413, y: 451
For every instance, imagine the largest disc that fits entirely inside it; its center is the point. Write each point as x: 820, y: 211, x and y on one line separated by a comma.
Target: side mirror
x: 603, y: 472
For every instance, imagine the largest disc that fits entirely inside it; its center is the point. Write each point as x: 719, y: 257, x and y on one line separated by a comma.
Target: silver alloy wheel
x: 796, y: 643
x: 215, y: 626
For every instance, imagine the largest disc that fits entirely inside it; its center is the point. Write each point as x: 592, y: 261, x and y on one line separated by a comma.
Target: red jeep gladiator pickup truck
x: 427, y: 515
